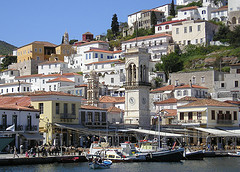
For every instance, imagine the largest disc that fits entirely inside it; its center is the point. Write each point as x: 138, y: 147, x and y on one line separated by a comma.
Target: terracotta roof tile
x: 223, y: 8
x: 42, y: 93
x: 88, y: 107
x: 170, y: 112
x: 16, y: 107
x: 165, y: 88
x: 114, y: 109
x: 187, y: 98
x: 171, y: 100
x: 100, y: 62
x: 189, y: 86
x: 45, y: 43
x: 60, y: 79
x: 109, y: 99
x: 15, y: 83
x: 20, y: 101
x: 232, y: 102
x: 208, y: 102
x: 29, y: 76
x: 188, y: 8
x: 170, y: 22
x: 82, y: 85
x: 148, y: 37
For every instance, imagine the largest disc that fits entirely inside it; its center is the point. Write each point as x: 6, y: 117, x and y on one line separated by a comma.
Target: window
x: 28, y: 89
x: 35, y: 49
x: 24, y: 89
x: 201, y: 40
x: 89, y: 56
x: 112, y: 80
x: 55, y: 65
x: 41, y: 108
x: 57, y: 108
x: 159, y: 28
x: 184, y: 42
x: 43, y: 81
x: 73, y: 109
x: 14, y: 120
x: 177, y: 30
x: 55, y: 87
x: 101, y: 56
x: 179, y: 93
x: 185, y: 13
x: 199, y: 115
x: 181, y: 115
x: 83, y: 117
x: 190, y: 116
x: 80, y: 92
x: 96, y: 55
x: 4, y: 120
x: 196, y: 41
x: 104, y: 117
x: 89, y: 114
x: 38, y: 58
x: 12, y: 89
x: 167, y: 27
x: 236, y: 83
x: 65, y: 106
x: 213, y: 114
x: 222, y: 85
x: 203, y: 11
x: 199, y: 27
x: 193, y: 80
x: 190, y: 28
x: 234, y: 115
x: 185, y: 92
x: 49, y: 66
x: 86, y: 56
x: 49, y: 87
x: 97, y: 116
x: 203, y: 79
x: 40, y: 50
x: 102, y: 66
x: 185, y: 29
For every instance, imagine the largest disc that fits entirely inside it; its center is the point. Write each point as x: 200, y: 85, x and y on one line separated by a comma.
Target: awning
x: 216, y: 132
x: 4, y: 141
x: 192, y: 110
x: 151, y: 132
x: 34, y: 136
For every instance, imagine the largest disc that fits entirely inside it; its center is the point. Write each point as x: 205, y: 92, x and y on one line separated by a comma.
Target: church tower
x: 93, y: 89
x: 137, y: 87
x: 65, y: 38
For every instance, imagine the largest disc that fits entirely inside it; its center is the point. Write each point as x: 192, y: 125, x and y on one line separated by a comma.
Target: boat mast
x: 159, y: 137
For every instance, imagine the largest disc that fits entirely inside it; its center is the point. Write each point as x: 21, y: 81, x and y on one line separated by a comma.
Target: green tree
x: 234, y: 36
x: 8, y: 60
x: 115, y: 25
x: 110, y: 35
x: 172, y: 9
x: 71, y: 42
x: 170, y: 63
x: 158, y: 82
x: 153, y: 21
x: 223, y: 34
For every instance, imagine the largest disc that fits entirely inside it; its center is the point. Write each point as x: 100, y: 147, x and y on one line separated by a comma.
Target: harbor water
x: 217, y: 164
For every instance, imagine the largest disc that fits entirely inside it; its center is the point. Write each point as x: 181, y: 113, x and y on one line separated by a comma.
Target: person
x: 26, y: 154
x: 21, y: 149
x: 15, y: 152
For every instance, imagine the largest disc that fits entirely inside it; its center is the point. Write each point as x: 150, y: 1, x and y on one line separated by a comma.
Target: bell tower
x: 137, y: 87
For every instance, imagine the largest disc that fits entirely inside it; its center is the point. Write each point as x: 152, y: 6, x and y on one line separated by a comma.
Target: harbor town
x: 162, y: 87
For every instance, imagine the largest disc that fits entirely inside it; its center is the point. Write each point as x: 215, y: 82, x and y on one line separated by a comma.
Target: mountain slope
x: 6, y: 48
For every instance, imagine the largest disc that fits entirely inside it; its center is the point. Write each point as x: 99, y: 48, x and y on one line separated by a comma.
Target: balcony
x: 220, y: 121
x: 67, y: 116
x: 129, y: 84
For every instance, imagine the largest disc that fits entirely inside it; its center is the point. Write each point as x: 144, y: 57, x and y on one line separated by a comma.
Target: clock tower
x: 137, y: 87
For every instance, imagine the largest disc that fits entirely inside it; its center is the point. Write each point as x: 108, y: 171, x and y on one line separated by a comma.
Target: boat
x: 236, y: 154
x: 98, y: 163
x: 69, y: 159
x: 193, y: 155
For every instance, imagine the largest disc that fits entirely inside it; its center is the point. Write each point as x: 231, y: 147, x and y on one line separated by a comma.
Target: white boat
x: 237, y: 154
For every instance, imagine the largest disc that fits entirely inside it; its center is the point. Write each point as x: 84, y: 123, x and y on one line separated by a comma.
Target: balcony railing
x: 67, y: 116
x: 126, y: 84
x: 224, y: 121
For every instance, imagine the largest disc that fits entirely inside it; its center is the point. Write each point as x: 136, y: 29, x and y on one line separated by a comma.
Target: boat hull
x: 165, y: 156
x: 198, y: 155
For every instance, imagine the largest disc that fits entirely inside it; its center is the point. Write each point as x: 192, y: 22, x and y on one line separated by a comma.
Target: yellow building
x: 61, y: 51
x: 57, y: 108
x: 37, y: 50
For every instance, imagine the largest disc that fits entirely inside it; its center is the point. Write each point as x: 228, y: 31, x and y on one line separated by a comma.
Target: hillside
x: 6, y: 48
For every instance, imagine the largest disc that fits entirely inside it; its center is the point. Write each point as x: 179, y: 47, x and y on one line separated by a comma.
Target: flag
x: 11, y: 128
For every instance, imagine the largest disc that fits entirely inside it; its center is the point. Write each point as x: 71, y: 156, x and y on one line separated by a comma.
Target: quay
x: 8, y: 159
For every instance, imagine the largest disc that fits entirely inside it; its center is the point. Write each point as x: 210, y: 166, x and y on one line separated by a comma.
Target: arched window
x: 203, y: 11
x: 234, y: 20
x: 167, y: 27
x: 179, y: 93
x: 185, y: 92
x: 159, y: 28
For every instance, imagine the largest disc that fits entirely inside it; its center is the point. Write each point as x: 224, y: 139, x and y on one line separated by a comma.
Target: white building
x: 8, y: 76
x: 184, y: 2
x: 53, y: 67
x: 157, y: 45
x: 166, y: 27
x: 220, y: 14
x: 193, y: 32
x: 165, y: 8
x: 233, y: 5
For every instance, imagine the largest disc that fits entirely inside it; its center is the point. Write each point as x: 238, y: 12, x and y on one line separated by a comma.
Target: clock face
x: 144, y: 100
x: 131, y: 100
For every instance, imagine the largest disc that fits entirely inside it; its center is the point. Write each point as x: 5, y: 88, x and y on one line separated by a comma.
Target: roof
x: 42, y: 93
x: 16, y: 107
x: 20, y: 101
x: 88, y: 107
x: 165, y: 88
x: 104, y: 51
x: 82, y: 85
x: 51, y: 62
x: 190, y: 86
x: 208, y: 102
x: 92, y: 42
x: 60, y: 79
x: 15, y: 83
x: 108, y: 61
x: 28, y: 76
x: 64, y: 74
x: 171, y: 100
x: 114, y: 109
x: 170, y: 112
x: 170, y: 22
x: 148, y: 37
x: 88, y: 33
x: 232, y: 102
x: 188, y: 8
x: 109, y: 99
x: 223, y: 8
x: 187, y: 98
x: 45, y: 44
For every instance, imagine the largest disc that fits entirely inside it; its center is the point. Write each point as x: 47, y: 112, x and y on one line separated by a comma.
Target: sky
x: 25, y: 21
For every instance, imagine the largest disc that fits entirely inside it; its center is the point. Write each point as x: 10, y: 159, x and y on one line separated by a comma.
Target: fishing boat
x: 236, y: 154
x: 98, y: 163
x: 193, y: 155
